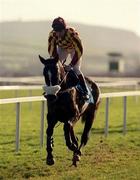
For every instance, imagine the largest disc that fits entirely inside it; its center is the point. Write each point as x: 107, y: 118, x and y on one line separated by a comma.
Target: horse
x: 66, y: 104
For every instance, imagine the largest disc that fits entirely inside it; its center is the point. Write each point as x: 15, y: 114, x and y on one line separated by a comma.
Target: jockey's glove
x: 68, y: 67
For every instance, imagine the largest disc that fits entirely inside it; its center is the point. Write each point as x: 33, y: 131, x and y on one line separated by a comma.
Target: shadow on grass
x: 8, y: 142
x: 111, y: 131
x: 21, y: 141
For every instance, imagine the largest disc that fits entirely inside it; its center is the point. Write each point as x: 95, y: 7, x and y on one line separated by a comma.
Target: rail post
x: 17, y: 126
x: 106, y: 117
x: 42, y: 124
x: 124, y: 114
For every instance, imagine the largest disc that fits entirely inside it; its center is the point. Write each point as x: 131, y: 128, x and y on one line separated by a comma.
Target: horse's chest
x: 64, y: 112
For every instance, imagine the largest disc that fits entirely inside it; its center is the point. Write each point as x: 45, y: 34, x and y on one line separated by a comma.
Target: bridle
x: 55, y: 88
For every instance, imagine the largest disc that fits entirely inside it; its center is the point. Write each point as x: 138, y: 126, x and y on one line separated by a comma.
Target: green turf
x: 116, y: 157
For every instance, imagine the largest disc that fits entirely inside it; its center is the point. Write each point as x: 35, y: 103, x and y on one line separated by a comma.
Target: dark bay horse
x: 65, y: 104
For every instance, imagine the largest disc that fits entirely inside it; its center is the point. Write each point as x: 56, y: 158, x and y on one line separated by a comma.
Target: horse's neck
x: 62, y: 76
x: 51, y: 99
x: 68, y: 79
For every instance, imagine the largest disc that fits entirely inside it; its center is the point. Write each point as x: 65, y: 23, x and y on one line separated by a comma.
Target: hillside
x: 21, y: 42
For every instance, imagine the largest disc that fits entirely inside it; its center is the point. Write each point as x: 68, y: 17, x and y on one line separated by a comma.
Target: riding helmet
x: 58, y: 24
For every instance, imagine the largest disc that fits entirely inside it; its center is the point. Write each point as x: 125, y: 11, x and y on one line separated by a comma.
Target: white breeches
x: 63, y: 54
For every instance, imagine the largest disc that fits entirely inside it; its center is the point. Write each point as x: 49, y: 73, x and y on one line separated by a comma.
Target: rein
x: 63, y: 78
x: 65, y: 74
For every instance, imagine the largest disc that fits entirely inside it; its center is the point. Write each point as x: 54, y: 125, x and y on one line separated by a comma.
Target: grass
x: 113, y: 158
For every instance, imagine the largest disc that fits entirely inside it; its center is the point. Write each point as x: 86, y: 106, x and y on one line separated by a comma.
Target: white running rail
x: 20, y: 100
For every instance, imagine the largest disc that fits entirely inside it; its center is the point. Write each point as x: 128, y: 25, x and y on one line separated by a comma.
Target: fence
x: 42, y: 99
x: 120, y: 84
x: 18, y: 88
x: 39, y: 87
x: 40, y: 79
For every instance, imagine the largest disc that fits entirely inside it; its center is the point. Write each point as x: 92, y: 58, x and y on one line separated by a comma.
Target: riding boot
x: 84, y: 86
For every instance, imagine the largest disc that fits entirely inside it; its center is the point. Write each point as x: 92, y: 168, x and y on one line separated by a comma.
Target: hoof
x: 75, y: 158
x: 50, y: 161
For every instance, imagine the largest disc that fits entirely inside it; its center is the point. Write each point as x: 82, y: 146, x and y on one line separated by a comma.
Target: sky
x: 122, y: 14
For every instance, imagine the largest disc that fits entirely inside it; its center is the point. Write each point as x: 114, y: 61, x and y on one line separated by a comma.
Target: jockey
x: 63, y: 41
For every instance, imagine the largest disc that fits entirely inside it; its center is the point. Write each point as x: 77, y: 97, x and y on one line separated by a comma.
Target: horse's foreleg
x: 49, y: 147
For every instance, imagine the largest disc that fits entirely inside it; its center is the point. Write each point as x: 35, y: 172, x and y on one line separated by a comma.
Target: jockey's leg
x: 83, y: 84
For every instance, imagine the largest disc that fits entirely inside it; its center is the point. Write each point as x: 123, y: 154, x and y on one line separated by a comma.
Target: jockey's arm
x: 78, y: 48
x: 52, y: 47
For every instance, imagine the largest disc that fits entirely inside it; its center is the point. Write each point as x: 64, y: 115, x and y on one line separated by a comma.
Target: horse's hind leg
x: 88, y: 118
x: 73, y: 137
x: 71, y: 141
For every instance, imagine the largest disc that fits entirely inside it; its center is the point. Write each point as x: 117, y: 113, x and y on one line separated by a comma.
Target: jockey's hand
x: 68, y: 67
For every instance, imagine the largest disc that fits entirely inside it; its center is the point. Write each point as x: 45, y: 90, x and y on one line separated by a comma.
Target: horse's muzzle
x: 51, y: 90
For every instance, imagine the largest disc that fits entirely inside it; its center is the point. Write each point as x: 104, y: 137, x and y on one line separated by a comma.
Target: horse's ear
x: 43, y: 61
